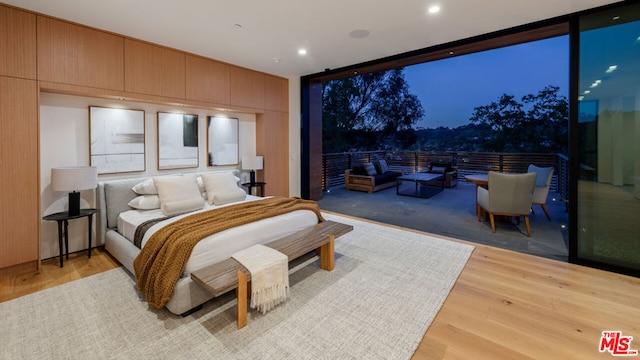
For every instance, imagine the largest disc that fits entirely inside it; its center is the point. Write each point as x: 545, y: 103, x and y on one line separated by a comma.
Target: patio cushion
x: 370, y: 169
x: 388, y: 176
x: 447, y: 165
x: 438, y: 169
x: 382, y: 166
x: 359, y: 170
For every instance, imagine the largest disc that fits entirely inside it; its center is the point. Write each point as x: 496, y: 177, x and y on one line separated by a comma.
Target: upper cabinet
x: 276, y: 93
x: 18, y: 39
x: 154, y: 70
x: 207, y: 80
x: 76, y: 55
x: 246, y: 87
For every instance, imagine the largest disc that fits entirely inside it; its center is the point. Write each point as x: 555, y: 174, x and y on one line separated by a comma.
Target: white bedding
x: 220, y: 246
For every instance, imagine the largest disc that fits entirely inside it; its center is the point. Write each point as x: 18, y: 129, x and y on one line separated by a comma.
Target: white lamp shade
x: 73, y: 178
x: 252, y: 162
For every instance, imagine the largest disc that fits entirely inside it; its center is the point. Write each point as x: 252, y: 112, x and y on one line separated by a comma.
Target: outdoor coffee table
x: 421, y: 181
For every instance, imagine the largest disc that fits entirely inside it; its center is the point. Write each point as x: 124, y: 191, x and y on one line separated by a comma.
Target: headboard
x: 112, y: 198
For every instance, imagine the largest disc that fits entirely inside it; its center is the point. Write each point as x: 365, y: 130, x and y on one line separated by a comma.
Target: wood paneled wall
x: 154, y: 70
x: 272, y: 138
x: 77, y: 55
x: 19, y: 193
x: 207, y: 80
x: 64, y: 57
x: 18, y: 39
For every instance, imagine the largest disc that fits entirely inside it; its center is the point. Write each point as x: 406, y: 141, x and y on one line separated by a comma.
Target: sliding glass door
x: 608, y: 126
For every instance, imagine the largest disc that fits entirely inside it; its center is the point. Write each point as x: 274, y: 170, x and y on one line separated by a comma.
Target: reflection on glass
x: 609, y: 132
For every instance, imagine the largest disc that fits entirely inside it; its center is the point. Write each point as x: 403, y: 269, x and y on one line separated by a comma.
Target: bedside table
x: 63, y: 218
x: 257, y: 184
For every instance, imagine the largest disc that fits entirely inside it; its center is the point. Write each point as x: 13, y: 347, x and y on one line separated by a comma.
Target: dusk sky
x: 450, y: 89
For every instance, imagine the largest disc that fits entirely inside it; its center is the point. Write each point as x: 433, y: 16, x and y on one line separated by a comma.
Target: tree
x: 539, y: 123
x: 366, y: 111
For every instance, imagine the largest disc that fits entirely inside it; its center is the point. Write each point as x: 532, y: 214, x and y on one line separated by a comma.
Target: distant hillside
x: 464, y: 138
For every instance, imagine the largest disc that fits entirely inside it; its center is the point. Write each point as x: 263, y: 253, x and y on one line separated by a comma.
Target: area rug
x: 386, y: 288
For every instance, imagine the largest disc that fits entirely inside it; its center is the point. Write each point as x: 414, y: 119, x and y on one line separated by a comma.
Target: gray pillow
x: 383, y: 166
x: 370, y: 169
x: 438, y: 169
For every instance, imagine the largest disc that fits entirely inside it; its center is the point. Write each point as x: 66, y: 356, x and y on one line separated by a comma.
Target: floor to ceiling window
x: 608, y: 202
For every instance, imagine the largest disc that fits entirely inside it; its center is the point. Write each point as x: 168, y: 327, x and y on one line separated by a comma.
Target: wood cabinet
x: 272, y: 142
x: 76, y: 55
x: 246, y: 88
x: 153, y: 70
x: 276, y: 93
x: 19, y: 196
x: 18, y: 36
x: 207, y: 80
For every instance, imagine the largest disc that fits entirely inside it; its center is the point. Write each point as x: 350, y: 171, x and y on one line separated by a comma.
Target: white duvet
x: 220, y: 246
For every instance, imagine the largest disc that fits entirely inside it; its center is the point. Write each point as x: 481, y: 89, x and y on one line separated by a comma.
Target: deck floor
x: 452, y: 213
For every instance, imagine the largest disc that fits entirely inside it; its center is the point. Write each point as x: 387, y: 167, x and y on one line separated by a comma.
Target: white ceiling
x: 253, y: 33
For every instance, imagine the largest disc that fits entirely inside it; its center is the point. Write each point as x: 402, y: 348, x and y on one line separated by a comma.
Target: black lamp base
x: 74, y: 203
x: 252, y: 177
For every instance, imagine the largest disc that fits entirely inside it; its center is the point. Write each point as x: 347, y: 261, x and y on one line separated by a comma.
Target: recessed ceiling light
x: 616, y: 18
x: 434, y: 9
x: 302, y: 51
x: 276, y: 60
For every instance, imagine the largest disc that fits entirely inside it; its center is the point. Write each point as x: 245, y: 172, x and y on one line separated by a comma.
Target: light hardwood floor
x: 505, y: 305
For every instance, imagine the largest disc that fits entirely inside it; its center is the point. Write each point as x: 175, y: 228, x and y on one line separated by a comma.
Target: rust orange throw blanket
x: 161, y: 261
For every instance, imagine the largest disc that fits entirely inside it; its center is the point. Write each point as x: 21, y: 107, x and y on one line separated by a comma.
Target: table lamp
x: 252, y: 163
x: 73, y: 179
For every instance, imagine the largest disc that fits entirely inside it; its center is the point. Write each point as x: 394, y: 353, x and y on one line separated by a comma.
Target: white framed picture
x: 222, y: 141
x: 177, y: 141
x: 116, y: 140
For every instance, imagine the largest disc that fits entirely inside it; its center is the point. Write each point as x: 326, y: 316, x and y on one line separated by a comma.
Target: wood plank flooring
x: 505, y: 305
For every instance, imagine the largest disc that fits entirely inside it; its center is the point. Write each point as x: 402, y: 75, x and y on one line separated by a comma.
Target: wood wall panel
x: 246, y: 87
x: 19, y: 196
x: 18, y: 39
x: 207, y: 80
x: 276, y: 93
x: 76, y: 55
x: 153, y: 70
x: 272, y: 142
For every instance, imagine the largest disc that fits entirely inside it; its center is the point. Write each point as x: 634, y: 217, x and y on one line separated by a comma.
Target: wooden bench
x: 229, y: 274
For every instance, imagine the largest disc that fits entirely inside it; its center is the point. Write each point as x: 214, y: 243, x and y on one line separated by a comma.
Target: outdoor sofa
x: 370, y: 178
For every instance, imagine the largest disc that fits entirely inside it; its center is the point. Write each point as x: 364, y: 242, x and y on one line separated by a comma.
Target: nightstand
x: 63, y: 218
x: 257, y: 184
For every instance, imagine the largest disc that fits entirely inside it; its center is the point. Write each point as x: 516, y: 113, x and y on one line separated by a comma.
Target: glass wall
x: 608, y: 219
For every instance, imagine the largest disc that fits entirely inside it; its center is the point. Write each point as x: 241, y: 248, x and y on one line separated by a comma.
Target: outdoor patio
x: 451, y: 212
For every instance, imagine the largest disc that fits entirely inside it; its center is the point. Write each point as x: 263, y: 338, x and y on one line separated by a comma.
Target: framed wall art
x: 222, y: 141
x: 177, y: 141
x: 116, y: 140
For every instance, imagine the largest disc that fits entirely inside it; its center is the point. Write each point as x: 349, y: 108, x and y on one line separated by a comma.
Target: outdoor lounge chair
x: 543, y: 183
x: 508, y: 195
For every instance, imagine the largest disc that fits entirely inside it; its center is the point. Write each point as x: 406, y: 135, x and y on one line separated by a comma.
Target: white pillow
x: 145, y: 188
x: 221, y: 187
x: 182, y: 206
x: 229, y: 197
x: 178, y: 188
x: 145, y: 202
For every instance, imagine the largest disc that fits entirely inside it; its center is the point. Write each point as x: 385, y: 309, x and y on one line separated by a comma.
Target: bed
x: 117, y: 220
